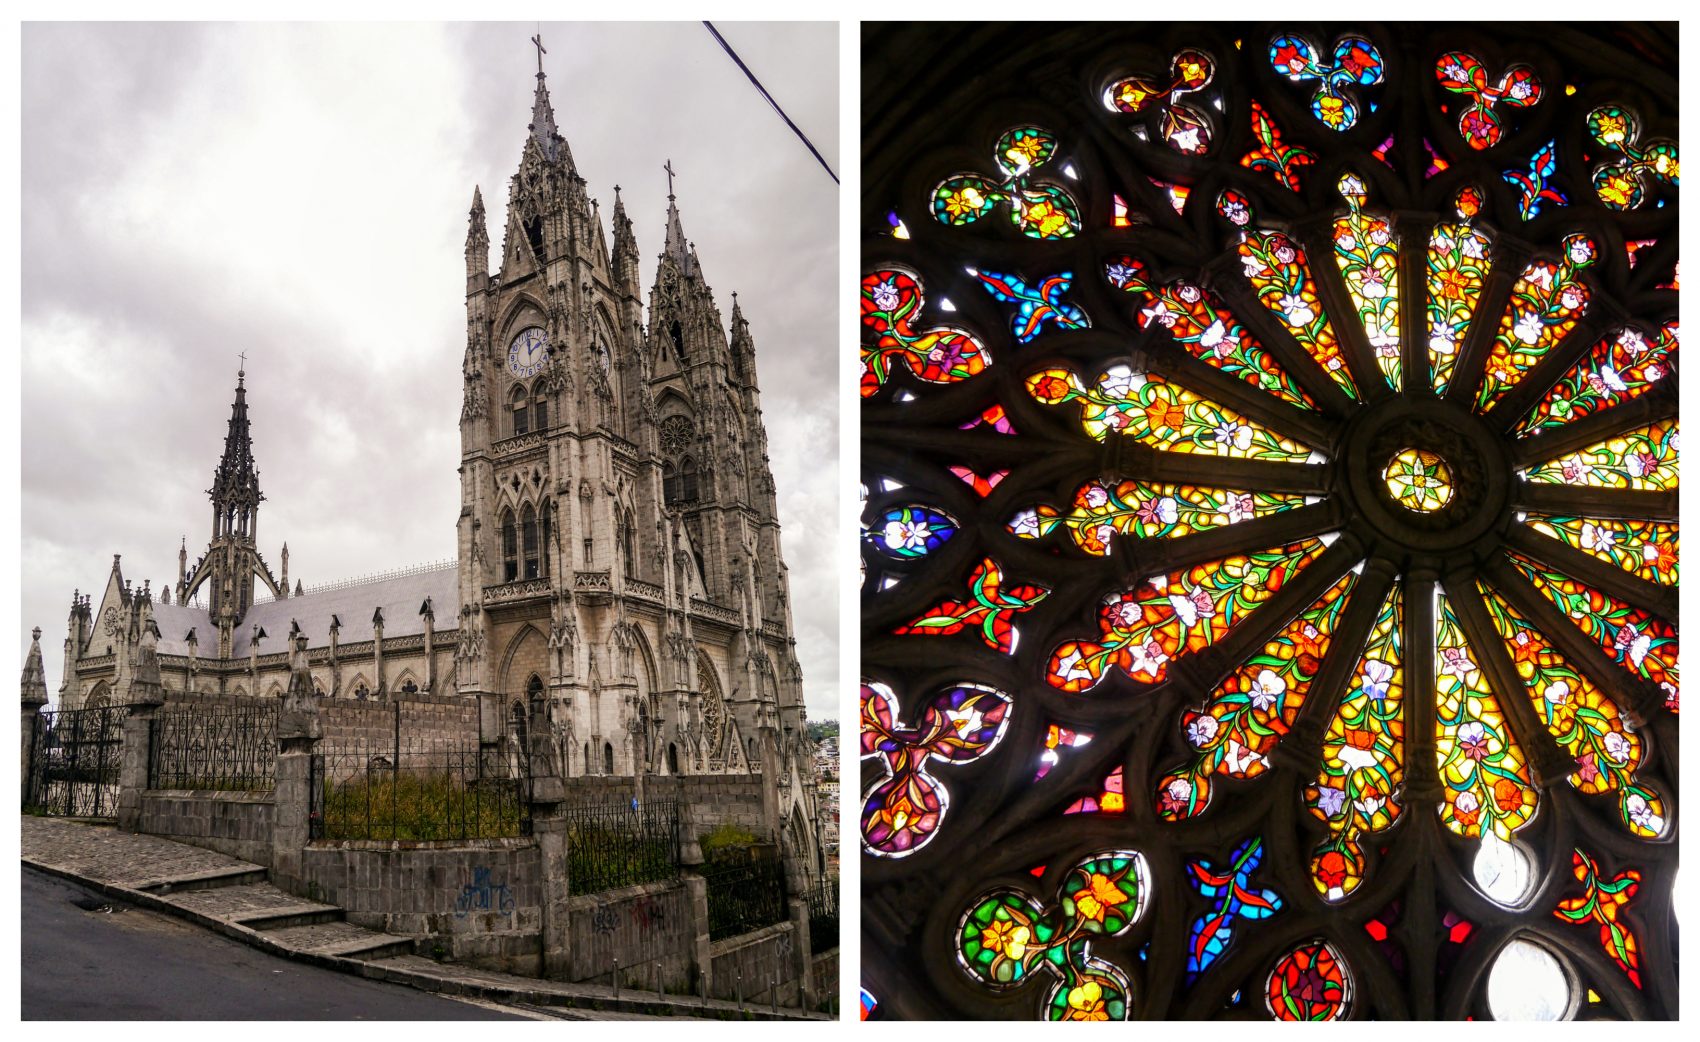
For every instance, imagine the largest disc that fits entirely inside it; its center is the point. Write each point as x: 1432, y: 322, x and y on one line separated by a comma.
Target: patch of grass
x: 397, y: 805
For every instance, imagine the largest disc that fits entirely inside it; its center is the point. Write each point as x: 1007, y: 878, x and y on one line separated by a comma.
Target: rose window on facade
x: 1269, y: 548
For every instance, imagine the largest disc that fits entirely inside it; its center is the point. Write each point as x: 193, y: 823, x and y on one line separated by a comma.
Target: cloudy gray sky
x: 299, y: 192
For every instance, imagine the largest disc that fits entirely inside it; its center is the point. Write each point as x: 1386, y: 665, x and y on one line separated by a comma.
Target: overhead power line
x: 752, y: 78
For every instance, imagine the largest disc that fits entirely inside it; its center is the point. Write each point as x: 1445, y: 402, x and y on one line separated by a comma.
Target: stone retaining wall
x: 645, y: 930
x: 479, y: 902
x: 751, y: 965
x: 710, y: 799
x: 234, y: 823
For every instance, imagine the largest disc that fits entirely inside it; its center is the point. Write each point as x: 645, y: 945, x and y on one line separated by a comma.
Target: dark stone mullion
x: 1638, y: 699
x: 1226, y: 279
x: 1142, y: 558
x: 1542, y: 497
x: 1550, y: 765
x: 1553, y: 442
x: 1302, y: 425
x: 1507, y: 260
x: 1413, y: 230
x: 1133, y: 459
x: 1336, y: 301
x: 1660, y: 600
x: 1535, y: 382
x: 1301, y: 750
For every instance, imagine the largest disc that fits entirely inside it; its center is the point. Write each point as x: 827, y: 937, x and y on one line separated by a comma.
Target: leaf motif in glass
x: 1040, y: 210
x: 990, y: 610
x: 1583, y: 720
x: 891, y: 303
x: 1249, y: 713
x: 1035, y: 305
x: 1367, y: 252
x: 1646, y: 549
x: 1147, y: 510
x: 1232, y: 897
x: 1482, y: 765
x: 1309, y: 983
x: 1534, y: 185
x: 1272, y: 155
x: 1637, y: 640
x: 1170, y: 615
x: 1603, y: 900
x: 1278, y: 270
x: 1643, y: 458
x: 1354, y: 63
x: 1621, y: 182
x: 902, y: 811
x: 1546, y: 301
x: 910, y: 532
x: 1622, y: 366
x: 1356, y: 790
x: 1184, y: 127
x: 1457, y: 267
x: 1478, y: 123
x: 1161, y: 414
x: 1205, y: 328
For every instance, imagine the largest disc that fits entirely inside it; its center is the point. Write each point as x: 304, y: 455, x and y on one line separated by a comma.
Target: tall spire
x: 34, y: 686
x: 542, y: 115
x: 236, y: 483
x: 676, y: 246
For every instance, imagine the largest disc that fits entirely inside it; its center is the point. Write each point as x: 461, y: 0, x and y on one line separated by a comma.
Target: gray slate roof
x: 353, y: 606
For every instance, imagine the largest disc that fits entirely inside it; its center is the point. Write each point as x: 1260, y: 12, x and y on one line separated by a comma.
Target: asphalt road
x: 126, y: 963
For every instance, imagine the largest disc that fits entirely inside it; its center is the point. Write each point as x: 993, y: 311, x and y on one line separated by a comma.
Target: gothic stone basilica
x: 618, y: 572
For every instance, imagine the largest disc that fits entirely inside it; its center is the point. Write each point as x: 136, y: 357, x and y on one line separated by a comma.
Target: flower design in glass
x: 1419, y: 480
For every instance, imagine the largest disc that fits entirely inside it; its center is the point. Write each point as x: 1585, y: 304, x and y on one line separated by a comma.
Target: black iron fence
x: 74, y: 760
x: 424, y: 791
x: 611, y: 846
x: 746, y: 891
x: 823, y: 915
x: 222, y: 748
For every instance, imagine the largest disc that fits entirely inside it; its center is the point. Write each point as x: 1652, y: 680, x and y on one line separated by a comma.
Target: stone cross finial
x: 668, y: 166
x: 537, y: 41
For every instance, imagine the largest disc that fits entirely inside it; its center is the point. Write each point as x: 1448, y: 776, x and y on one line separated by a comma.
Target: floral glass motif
x: 1035, y: 305
x: 1642, y: 458
x: 1205, y: 328
x: 1585, y: 723
x: 1622, y: 366
x: 1038, y: 209
x: 1161, y: 414
x: 1367, y: 252
x: 1278, y: 270
x: 1354, y: 63
x: 1356, y: 790
x: 911, y: 531
x: 1534, y: 185
x: 891, y: 302
x: 902, y: 812
x: 1249, y: 713
x: 1166, y: 616
x: 1483, y: 768
x: 1006, y: 937
x: 1546, y: 301
x: 1457, y: 268
x: 1185, y: 128
x: 1146, y: 510
x: 1621, y: 182
x: 1272, y: 155
x: 1602, y: 902
x: 1419, y: 480
x: 1645, y: 549
x: 1232, y: 897
x: 990, y: 611
x: 1478, y: 123
x: 1309, y: 983
x: 1637, y: 640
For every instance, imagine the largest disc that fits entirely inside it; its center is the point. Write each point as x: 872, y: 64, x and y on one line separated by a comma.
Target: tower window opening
x: 528, y: 527
x: 510, y: 549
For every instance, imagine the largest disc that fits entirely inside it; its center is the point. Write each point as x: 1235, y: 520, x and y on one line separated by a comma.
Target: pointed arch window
x: 547, y: 522
x: 607, y: 758
x: 676, y: 332
x: 510, y: 548
x: 628, y: 544
x: 688, y: 480
x: 519, y: 406
x: 528, y: 541
x: 540, y: 410
x: 1273, y: 444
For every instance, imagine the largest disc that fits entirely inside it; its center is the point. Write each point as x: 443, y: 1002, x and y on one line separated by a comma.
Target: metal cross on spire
x: 242, y: 368
x: 537, y: 41
x: 669, y: 168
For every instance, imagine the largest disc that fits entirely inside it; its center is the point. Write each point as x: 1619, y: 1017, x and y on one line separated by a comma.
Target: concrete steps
x: 340, y: 939
x: 258, y: 906
x: 246, y: 875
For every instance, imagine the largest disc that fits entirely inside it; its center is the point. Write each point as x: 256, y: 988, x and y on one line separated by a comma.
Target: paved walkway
x: 232, y: 897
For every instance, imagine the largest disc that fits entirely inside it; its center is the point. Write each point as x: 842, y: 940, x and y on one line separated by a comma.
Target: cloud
x: 299, y: 193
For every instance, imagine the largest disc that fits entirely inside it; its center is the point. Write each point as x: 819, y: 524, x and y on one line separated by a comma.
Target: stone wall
x: 752, y: 965
x: 646, y: 931
x: 823, y: 975
x: 708, y: 799
x: 234, y: 823
x: 426, y: 720
x: 477, y: 902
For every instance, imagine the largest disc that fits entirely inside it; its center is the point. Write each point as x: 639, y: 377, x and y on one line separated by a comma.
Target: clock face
x: 529, y: 352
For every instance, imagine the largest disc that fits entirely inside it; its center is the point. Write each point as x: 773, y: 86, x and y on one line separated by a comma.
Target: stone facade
x: 618, y: 582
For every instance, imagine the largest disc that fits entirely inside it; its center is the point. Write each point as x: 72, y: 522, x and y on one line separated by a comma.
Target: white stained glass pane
x: 1503, y: 870
x: 1527, y: 983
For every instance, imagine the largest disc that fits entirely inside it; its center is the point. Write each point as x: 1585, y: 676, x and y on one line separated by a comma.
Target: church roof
x: 399, y: 597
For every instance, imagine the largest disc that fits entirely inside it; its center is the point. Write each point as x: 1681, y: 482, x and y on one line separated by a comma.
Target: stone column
x: 770, y: 782
x: 34, y: 696
x: 806, y: 997
x: 696, y: 891
x: 298, y: 732
x: 380, y: 689
x: 549, y: 829
x: 147, y: 695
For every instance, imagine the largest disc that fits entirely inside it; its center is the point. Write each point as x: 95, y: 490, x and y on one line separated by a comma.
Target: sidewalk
x: 232, y: 897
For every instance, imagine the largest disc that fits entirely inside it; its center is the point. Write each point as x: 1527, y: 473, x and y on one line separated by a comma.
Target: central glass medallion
x: 1419, y: 480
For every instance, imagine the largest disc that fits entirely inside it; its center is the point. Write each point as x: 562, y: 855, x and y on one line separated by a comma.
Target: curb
x: 717, y: 1009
